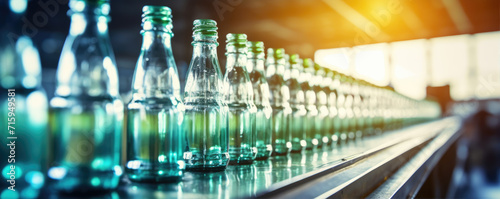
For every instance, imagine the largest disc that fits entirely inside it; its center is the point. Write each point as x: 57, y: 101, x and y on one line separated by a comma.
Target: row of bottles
x: 262, y: 106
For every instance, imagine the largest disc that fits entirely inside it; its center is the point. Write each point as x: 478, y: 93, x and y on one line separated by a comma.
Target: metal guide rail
x: 375, y: 166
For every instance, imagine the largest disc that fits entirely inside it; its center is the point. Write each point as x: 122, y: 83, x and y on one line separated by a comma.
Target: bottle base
x: 206, y: 168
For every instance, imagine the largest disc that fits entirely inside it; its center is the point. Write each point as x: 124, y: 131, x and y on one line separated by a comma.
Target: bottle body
x: 86, y: 112
x: 205, y: 119
x: 204, y: 126
x: 24, y: 118
x: 155, y: 142
x: 281, y: 111
x: 298, y: 116
x: 86, y: 134
x: 240, y: 100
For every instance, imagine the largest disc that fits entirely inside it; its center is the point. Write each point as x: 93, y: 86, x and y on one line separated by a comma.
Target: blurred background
x: 448, y: 50
x: 406, y: 44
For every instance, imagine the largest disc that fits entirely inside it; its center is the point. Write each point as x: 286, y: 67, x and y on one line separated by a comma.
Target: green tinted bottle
x: 239, y: 99
x: 154, y: 115
x: 23, y: 112
x: 205, y: 118
x: 321, y: 125
x: 297, y: 103
x: 312, y: 112
x: 263, y: 123
x: 280, y: 96
x: 87, y: 114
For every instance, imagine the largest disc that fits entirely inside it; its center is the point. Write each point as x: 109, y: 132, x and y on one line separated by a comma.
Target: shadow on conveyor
x: 471, y: 167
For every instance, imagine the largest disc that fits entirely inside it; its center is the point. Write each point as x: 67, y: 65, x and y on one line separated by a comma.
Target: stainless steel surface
x: 406, y: 182
x: 350, y: 170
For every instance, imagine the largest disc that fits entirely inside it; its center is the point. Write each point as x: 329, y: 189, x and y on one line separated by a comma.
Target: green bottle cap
x: 308, y: 63
x: 317, y: 67
x: 256, y: 49
x: 294, y: 59
x: 205, y: 30
x: 279, y: 53
x: 236, y: 43
x: 157, y: 15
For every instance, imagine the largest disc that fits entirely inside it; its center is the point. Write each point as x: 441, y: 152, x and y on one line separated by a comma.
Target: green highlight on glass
x: 262, y: 127
x: 155, y: 142
x: 205, y: 118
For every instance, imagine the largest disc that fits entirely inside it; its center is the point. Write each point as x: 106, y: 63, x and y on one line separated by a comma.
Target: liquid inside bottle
x: 262, y: 127
x: 154, y: 115
x: 205, y: 118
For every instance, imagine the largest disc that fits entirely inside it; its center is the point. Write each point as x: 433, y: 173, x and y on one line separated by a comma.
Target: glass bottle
x: 155, y: 112
x: 297, y: 103
x: 342, y: 111
x: 280, y: 96
x: 205, y: 115
x: 262, y: 125
x: 350, y: 123
x: 239, y: 99
x: 357, y: 108
x: 24, y: 111
x: 312, y: 112
x: 334, y: 106
x: 87, y: 114
x: 321, y: 131
x: 330, y: 91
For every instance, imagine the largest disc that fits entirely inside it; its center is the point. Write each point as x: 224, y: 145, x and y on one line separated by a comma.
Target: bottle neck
x: 155, y: 39
x: 255, y: 64
x: 204, y: 49
x: 85, y: 23
x: 236, y: 60
x: 156, y: 72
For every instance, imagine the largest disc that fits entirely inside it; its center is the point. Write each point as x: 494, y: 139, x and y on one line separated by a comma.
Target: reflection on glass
x: 263, y: 178
x: 241, y: 180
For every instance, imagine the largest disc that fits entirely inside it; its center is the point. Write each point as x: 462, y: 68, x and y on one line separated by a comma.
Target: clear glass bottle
x: 280, y: 96
x: 87, y: 114
x: 24, y: 111
x: 341, y: 107
x: 321, y: 104
x: 155, y: 113
x: 205, y: 118
x: 239, y: 99
x: 357, y: 109
x: 306, y: 80
x: 297, y: 103
x: 330, y: 91
x: 334, y: 106
x: 262, y: 125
